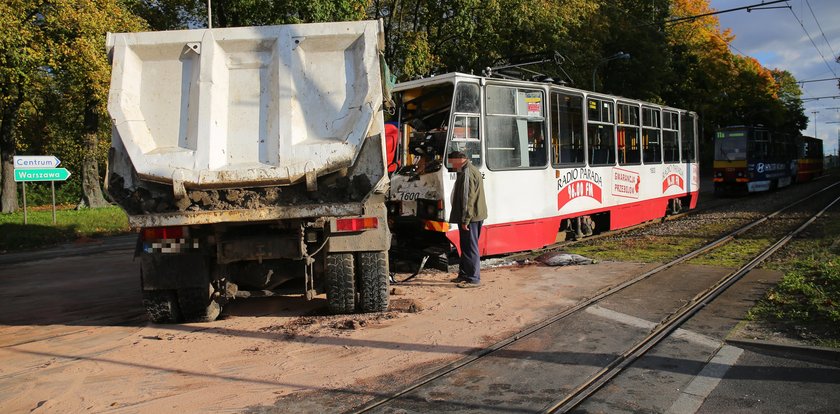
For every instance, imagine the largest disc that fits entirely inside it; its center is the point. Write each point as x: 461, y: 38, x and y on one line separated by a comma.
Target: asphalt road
x: 695, y: 371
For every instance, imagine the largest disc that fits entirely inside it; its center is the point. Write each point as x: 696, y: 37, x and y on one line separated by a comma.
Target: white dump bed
x: 245, y: 106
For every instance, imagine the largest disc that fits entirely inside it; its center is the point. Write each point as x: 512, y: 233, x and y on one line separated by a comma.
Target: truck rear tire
x: 161, y: 306
x: 373, y: 282
x: 197, y: 305
x: 340, y: 283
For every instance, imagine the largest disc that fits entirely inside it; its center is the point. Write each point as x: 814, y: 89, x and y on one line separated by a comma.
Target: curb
x: 105, y: 244
x: 806, y: 352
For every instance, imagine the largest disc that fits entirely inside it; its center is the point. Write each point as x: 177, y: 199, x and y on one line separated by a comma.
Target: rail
x: 591, y: 385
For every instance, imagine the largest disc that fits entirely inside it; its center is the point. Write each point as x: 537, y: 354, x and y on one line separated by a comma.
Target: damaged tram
x: 557, y: 162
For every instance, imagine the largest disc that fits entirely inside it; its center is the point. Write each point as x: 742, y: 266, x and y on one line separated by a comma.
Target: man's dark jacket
x: 468, y: 204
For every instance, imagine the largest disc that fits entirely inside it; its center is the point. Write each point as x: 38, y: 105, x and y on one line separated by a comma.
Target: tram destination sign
x: 36, y: 161
x: 41, y: 174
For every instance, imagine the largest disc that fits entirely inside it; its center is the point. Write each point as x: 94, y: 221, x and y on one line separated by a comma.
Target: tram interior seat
x: 672, y: 154
x: 537, y: 159
x: 570, y: 156
x: 631, y: 156
x: 565, y: 156
x: 601, y: 157
x: 652, y: 155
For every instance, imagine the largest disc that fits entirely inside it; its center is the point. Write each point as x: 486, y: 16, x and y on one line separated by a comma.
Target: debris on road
x: 564, y: 259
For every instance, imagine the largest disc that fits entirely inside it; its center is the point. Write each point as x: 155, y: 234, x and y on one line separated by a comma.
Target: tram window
x: 515, y: 128
x: 628, y: 135
x: 651, y: 143
x: 465, y: 138
x: 467, y: 98
x: 670, y: 137
x: 758, y: 147
x: 815, y: 150
x: 600, y: 110
x: 426, y: 114
x: 782, y: 147
x: 731, y: 145
x: 687, y: 135
x: 566, y: 130
x: 790, y: 144
x: 777, y: 146
x: 600, y: 132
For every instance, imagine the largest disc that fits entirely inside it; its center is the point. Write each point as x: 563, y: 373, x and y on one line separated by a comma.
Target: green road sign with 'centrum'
x: 41, y: 174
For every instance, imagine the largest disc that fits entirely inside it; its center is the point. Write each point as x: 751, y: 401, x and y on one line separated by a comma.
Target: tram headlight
x: 394, y: 208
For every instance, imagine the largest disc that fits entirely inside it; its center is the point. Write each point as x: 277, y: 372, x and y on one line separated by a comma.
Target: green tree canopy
x: 21, y: 56
x: 54, y: 74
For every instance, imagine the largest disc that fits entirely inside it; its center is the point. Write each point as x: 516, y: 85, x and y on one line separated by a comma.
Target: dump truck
x: 251, y: 161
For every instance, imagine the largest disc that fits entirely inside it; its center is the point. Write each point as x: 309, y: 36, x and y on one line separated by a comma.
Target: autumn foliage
x: 54, y: 73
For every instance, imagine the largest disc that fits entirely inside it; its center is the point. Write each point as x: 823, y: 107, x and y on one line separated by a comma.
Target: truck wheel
x: 373, y: 282
x: 161, y: 306
x: 340, y: 286
x: 197, y: 305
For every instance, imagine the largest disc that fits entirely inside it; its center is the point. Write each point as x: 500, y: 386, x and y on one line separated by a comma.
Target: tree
x: 469, y: 35
x: 20, y: 57
x: 792, y: 116
x: 74, y: 32
x: 169, y: 14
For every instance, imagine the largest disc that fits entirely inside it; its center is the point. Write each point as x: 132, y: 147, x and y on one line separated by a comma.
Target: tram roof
x: 458, y: 76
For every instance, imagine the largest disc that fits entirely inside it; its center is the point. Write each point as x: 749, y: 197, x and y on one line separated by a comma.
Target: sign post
x: 39, y: 168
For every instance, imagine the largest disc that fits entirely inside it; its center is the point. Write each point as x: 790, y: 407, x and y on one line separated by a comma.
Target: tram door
x: 515, y: 167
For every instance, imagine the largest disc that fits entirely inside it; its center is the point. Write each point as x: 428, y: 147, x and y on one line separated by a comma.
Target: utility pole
x: 836, y: 150
x: 815, y: 122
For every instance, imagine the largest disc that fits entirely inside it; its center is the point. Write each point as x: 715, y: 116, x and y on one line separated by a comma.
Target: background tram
x: 810, y: 163
x: 556, y: 161
x: 753, y: 159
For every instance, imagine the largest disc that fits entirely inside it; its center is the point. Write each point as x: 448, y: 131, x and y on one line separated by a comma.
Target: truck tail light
x: 356, y: 224
x: 173, y: 239
x: 164, y: 233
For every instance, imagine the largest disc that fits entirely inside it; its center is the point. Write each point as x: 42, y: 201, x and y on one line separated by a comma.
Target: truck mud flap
x: 174, y: 271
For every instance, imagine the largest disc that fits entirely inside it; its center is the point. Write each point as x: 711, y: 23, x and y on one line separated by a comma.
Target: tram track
x: 667, y: 327
x: 663, y: 329
x: 714, y: 204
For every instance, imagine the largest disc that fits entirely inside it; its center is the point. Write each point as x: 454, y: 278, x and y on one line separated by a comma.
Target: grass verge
x: 71, y: 225
x: 806, y: 303
x: 804, y: 306
x: 645, y: 249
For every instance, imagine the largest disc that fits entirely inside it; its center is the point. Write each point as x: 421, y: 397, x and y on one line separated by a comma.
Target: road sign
x: 36, y: 161
x: 41, y: 174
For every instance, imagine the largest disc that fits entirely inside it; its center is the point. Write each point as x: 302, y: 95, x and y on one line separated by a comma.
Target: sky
x: 777, y: 39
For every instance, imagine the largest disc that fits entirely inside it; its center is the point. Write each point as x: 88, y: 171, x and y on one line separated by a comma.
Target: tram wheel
x: 588, y: 225
x: 674, y: 206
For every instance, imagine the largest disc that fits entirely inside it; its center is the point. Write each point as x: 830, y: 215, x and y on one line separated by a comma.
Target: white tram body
x: 555, y: 160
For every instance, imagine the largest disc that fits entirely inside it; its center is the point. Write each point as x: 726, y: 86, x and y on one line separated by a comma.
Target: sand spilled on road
x: 267, y: 351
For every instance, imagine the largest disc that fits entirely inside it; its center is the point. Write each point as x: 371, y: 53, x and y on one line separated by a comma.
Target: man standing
x: 469, y: 210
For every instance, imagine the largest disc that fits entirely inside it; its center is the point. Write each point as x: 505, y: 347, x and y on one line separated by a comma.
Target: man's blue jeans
x: 470, y: 259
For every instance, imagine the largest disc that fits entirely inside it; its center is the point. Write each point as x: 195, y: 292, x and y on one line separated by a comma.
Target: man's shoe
x: 467, y: 285
x: 458, y: 279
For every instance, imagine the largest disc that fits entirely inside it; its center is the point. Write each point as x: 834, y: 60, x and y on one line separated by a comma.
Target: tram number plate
x: 409, y: 196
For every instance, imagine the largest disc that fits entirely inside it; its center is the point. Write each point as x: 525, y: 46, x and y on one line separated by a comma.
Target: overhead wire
x: 822, y: 32
x: 758, y: 6
x: 801, y: 24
